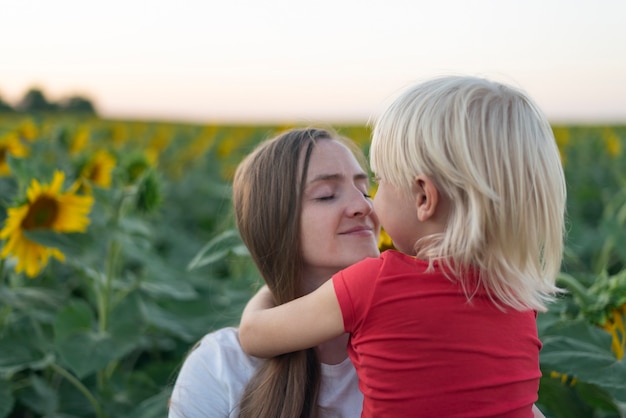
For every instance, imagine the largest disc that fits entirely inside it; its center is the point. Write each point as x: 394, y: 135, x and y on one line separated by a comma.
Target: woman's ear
x: 426, y: 197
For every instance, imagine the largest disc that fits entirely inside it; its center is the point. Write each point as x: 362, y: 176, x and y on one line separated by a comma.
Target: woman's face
x: 339, y: 226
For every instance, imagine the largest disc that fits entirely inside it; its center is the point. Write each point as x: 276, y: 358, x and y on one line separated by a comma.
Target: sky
x: 274, y: 61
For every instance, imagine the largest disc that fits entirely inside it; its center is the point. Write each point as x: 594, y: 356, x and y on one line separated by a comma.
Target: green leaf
x: 39, y: 396
x: 126, y: 320
x: 20, y: 167
x: 216, y: 249
x: 135, y: 227
x: 6, y: 398
x: 172, y: 289
x: 584, y: 351
x: 560, y: 401
x: 39, y: 303
x: 166, y: 320
x: 597, y: 398
x: 70, y: 244
x: 162, y: 280
x: 153, y: 407
x: 579, y: 329
x: 88, y: 352
x: 85, y: 350
x: 74, y: 318
x: 20, y: 349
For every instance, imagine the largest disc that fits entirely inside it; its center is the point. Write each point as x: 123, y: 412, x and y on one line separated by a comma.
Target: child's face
x: 398, y: 216
x: 339, y: 226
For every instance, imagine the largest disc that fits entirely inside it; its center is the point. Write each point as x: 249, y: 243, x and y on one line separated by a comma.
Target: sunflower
x: 47, y: 208
x: 384, y: 241
x: 98, y: 170
x: 79, y: 140
x: 28, y: 130
x: 10, y: 144
x: 616, y: 326
x: 119, y: 134
x: 563, y: 140
x: 613, y: 143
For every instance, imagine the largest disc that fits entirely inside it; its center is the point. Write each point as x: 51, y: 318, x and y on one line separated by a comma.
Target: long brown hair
x: 267, y: 191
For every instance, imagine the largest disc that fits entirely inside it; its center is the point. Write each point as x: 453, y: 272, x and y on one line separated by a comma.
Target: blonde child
x: 472, y: 192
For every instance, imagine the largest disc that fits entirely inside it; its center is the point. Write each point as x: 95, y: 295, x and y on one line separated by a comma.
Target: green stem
x: 81, y: 388
x: 105, y: 290
x: 104, y: 299
x: 2, y: 264
x: 110, y: 271
x: 5, y: 311
x: 602, y: 261
x: 576, y: 288
x: 104, y: 295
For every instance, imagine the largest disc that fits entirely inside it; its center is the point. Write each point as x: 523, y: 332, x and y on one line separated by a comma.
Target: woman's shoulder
x: 218, y: 357
x: 226, y: 337
x: 222, y: 347
x: 212, y: 377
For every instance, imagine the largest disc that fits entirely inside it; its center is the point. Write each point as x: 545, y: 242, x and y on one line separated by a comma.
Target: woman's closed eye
x: 325, y: 198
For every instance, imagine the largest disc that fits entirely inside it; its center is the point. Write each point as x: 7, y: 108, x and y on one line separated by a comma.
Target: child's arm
x: 267, y: 331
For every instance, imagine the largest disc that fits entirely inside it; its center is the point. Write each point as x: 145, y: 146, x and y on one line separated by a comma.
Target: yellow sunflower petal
x: 73, y: 213
x: 13, y: 221
x: 57, y: 182
x: 47, y: 208
x: 33, y: 191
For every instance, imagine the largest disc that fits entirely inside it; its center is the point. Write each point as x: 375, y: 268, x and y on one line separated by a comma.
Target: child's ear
x: 426, y: 197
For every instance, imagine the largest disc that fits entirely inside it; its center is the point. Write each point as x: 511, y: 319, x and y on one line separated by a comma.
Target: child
x: 472, y: 192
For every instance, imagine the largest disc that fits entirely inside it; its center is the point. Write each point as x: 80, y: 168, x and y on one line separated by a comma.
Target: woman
x: 303, y: 210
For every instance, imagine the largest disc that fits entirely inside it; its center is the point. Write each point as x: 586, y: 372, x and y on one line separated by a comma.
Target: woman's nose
x: 360, y: 205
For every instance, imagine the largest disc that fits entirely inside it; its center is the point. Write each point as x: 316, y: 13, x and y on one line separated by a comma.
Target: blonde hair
x: 491, y: 152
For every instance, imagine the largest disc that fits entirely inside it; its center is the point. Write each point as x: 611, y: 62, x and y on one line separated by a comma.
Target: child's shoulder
x: 386, y: 258
x: 395, y: 256
x: 387, y: 254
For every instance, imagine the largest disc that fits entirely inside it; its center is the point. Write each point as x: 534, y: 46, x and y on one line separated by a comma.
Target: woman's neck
x: 333, y: 351
x: 312, y: 278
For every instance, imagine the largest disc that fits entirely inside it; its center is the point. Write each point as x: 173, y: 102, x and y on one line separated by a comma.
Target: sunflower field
x: 118, y: 252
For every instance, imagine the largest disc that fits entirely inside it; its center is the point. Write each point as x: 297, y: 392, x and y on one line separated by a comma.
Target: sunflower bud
x: 149, y: 195
x: 135, y: 166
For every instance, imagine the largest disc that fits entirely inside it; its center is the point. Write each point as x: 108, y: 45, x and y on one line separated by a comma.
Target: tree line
x: 35, y: 101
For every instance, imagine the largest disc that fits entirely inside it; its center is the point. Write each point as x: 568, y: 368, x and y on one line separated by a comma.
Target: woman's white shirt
x: 214, y: 375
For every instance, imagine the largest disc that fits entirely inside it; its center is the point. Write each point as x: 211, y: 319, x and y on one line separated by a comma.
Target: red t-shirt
x: 421, y: 349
